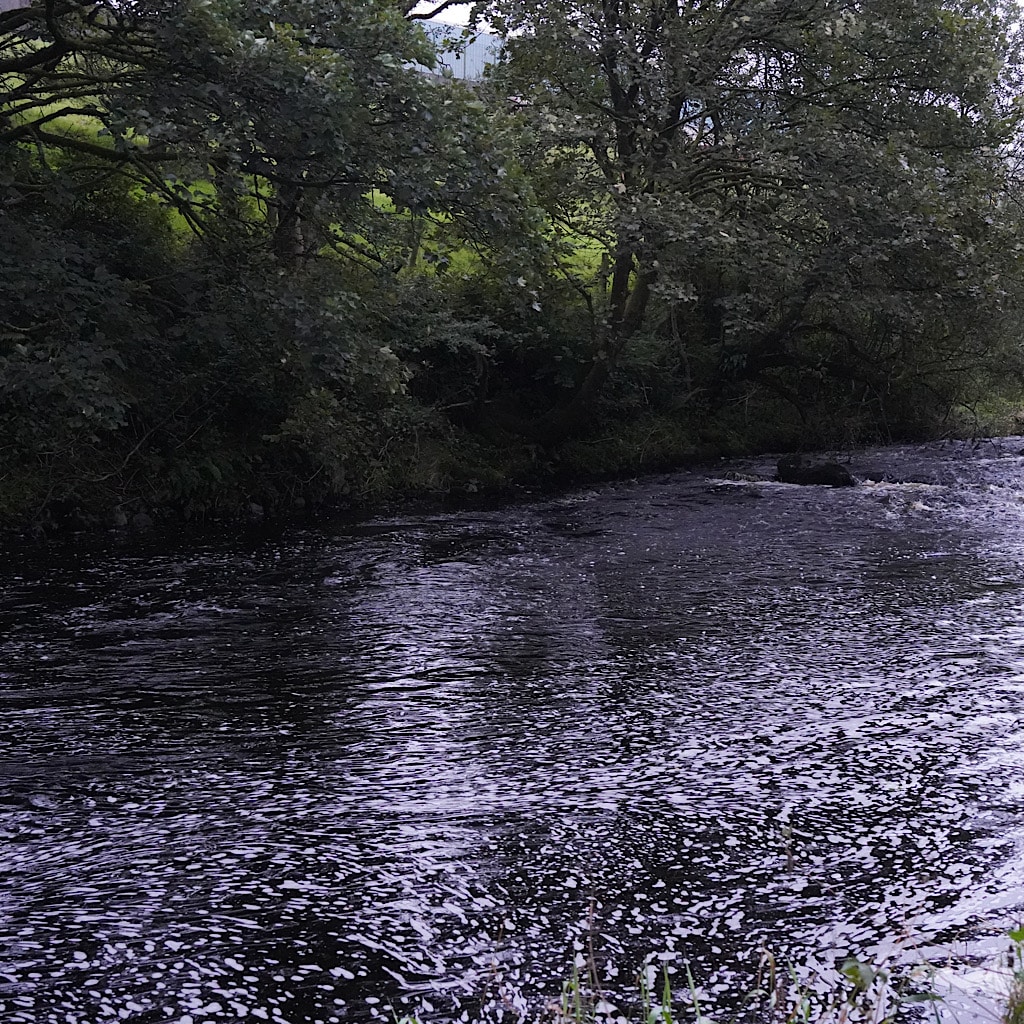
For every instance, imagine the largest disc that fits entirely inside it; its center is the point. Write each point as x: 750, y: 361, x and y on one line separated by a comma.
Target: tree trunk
x: 287, y: 239
x: 572, y: 416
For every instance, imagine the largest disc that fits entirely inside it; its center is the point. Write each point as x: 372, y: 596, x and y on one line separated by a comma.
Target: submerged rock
x: 793, y: 469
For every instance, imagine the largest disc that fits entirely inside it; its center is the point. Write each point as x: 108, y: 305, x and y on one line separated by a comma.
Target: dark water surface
x: 425, y: 762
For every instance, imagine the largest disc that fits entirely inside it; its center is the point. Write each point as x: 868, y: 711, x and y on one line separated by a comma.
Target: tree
x: 805, y: 185
x: 206, y: 210
x: 233, y: 354
x: 296, y: 108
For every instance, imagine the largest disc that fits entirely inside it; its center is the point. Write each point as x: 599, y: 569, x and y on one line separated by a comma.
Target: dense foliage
x: 253, y: 254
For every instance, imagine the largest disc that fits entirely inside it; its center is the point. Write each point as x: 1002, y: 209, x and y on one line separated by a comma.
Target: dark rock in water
x: 792, y: 469
x: 879, y: 476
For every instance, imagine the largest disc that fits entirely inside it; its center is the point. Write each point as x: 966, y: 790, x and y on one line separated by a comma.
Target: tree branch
x: 440, y: 9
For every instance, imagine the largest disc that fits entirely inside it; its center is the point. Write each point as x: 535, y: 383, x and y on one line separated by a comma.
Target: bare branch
x: 440, y: 9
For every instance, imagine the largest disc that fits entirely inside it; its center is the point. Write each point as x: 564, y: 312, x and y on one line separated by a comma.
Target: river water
x: 422, y: 764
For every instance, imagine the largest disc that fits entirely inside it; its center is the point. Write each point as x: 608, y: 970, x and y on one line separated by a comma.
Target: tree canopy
x: 800, y: 184
x: 258, y: 251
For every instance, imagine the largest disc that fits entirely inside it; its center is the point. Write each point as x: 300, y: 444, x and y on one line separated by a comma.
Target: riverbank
x: 450, y: 468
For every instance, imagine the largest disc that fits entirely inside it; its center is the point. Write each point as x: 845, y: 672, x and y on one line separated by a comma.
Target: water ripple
x: 429, y: 761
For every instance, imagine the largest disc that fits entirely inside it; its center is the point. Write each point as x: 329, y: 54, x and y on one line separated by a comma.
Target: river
x: 420, y: 764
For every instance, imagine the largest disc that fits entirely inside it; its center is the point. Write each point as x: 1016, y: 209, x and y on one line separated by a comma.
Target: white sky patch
x: 455, y: 15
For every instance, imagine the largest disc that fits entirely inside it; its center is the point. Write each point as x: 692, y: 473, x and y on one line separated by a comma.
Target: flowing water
x: 422, y: 764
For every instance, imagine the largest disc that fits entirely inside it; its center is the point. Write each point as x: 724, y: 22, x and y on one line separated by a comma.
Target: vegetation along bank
x: 254, y: 254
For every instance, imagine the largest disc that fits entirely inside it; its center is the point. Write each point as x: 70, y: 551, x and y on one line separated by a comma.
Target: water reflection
x: 429, y: 760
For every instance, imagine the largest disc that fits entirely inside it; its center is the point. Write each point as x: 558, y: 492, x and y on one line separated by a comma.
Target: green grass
x: 1013, y: 1012
x: 866, y: 994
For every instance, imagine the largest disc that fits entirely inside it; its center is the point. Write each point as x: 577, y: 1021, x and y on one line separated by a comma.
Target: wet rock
x: 43, y: 801
x: 255, y: 511
x: 793, y: 469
